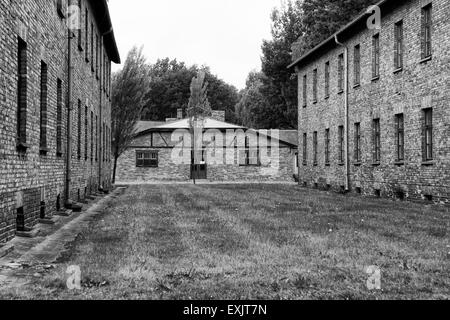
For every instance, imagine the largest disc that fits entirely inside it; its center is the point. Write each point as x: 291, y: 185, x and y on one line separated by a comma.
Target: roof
x: 101, y: 13
x: 289, y: 137
x: 358, y: 22
x: 184, y: 124
x: 146, y: 125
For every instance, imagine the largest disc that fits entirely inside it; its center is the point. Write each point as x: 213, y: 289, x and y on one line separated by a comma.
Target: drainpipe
x: 346, y: 107
x: 68, y: 202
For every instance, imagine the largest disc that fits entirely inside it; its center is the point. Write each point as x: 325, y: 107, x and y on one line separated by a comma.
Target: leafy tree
x: 129, y: 86
x: 169, y: 90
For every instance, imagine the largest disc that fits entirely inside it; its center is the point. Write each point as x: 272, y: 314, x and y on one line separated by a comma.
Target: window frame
x: 327, y: 79
x: 341, y: 73
x: 305, y: 91
x: 376, y: 56
x: 357, y: 65
x: 376, y: 124
x: 398, y: 45
x: 327, y: 147
x: 427, y: 31
x: 149, y: 159
x: 315, y: 75
x: 315, y: 149
x: 400, y: 137
x: 357, y: 151
x: 428, y: 154
x: 341, y: 150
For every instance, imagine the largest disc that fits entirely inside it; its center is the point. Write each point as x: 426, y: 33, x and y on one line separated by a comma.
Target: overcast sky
x: 226, y: 35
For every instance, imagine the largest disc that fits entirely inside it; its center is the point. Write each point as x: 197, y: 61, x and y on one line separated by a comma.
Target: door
x: 199, y: 171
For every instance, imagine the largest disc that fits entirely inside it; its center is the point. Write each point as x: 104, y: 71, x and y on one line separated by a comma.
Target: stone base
x: 49, y: 221
x: 6, y: 249
x: 27, y: 234
x: 65, y: 213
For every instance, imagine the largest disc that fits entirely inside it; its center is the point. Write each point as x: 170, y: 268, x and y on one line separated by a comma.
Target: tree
x: 129, y: 87
x: 169, y: 90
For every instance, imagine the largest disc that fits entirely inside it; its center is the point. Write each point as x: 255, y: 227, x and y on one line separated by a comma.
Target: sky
x: 225, y: 35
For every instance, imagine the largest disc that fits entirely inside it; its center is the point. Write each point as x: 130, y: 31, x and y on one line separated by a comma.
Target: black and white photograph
x: 220, y: 156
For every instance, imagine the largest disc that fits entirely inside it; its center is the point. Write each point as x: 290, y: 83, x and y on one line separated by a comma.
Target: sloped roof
x: 142, y: 126
x: 184, y: 124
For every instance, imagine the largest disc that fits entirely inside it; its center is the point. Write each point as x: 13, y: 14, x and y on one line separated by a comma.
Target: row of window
x: 92, y: 45
x: 427, y: 144
x: 426, y: 53
x: 22, y: 110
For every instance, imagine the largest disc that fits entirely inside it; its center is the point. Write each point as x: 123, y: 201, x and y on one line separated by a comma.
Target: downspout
x: 346, y: 107
x: 68, y: 202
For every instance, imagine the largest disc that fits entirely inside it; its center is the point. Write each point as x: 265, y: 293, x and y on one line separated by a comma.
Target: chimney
x: 179, y: 114
x: 218, y: 115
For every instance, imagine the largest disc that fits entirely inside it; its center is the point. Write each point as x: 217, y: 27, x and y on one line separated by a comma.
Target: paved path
x: 37, y: 255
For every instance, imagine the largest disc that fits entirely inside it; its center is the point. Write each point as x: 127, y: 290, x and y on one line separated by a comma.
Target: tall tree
x: 129, y: 87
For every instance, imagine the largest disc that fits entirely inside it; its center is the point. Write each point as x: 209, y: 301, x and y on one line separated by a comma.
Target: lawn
x: 254, y: 242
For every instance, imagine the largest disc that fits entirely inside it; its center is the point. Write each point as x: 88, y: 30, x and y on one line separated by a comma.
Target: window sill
x: 80, y: 48
x: 424, y: 60
x: 428, y: 163
x: 304, y: 106
x: 357, y: 164
x: 399, y: 163
x: 341, y: 164
x: 22, y: 147
x: 249, y: 165
x: 327, y: 97
x: 43, y: 151
x: 327, y: 165
x: 59, y: 154
x: 145, y: 167
x: 340, y: 92
x: 375, y: 78
x: 315, y: 102
x: 376, y: 164
x: 315, y: 164
x: 355, y: 86
x: 398, y: 70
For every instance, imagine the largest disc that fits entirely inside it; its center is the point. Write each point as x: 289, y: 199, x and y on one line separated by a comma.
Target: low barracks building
x: 374, y: 105
x: 55, y: 114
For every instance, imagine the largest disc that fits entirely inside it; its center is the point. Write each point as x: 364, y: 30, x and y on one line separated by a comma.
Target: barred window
x: 398, y: 46
x: 376, y: 141
x: 400, y: 136
x: 305, y: 149
x: 357, y: 65
x: 22, y: 94
x: 341, y: 73
x: 305, y: 90
x: 327, y: 79
x: 315, y: 85
x: 341, y: 144
x: 376, y: 56
x: 59, y: 97
x: 250, y: 155
x: 357, y: 142
x: 426, y: 31
x: 327, y: 146
x: 43, y: 108
x: 147, y: 159
x: 428, y: 134
x: 315, y: 147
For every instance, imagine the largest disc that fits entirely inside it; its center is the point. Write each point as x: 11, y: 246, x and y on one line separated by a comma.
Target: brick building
x: 374, y: 114
x: 161, y: 151
x: 55, y: 114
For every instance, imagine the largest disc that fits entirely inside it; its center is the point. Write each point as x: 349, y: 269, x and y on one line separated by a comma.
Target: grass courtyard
x: 254, y: 242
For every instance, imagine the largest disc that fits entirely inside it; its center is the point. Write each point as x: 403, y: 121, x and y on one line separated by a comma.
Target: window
x: 22, y: 95
x: 79, y: 130
x: 315, y: 148
x: 376, y: 141
x: 59, y: 98
x: 92, y: 47
x: 43, y: 108
x: 86, y: 34
x: 357, y: 142
x: 315, y: 85
x: 327, y: 147
x: 426, y: 32
x: 357, y: 65
x: 305, y: 149
x: 96, y: 138
x: 398, y: 46
x: 86, y: 124
x: 61, y: 6
x: 80, y: 30
x: 250, y: 155
x: 147, y: 159
x: 376, y: 56
x: 305, y: 90
x: 327, y: 79
x: 341, y: 73
x: 96, y: 55
x: 400, y: 136
x: 92, y: 136
x: 428, y: 134
x: 341, y: 144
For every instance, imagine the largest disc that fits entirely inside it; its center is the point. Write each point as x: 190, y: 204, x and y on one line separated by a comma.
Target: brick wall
x: 35, y: 175
x: 171, y: 170
x: 418, y: 86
